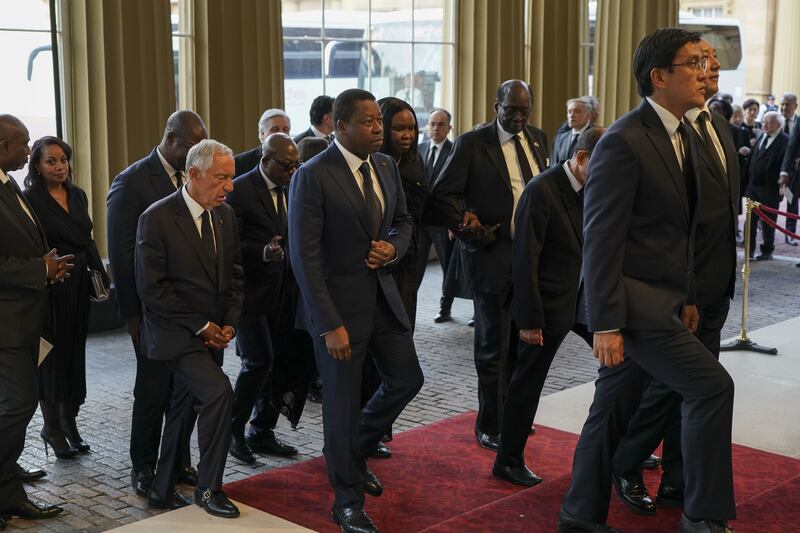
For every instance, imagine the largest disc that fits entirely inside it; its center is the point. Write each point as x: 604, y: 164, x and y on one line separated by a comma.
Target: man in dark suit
x: 434, y: 152
x: 548, y: 300
x: 259, y: 201
x: 791, y: 120
x: 659, y: 415
x: 189, y: 277
x: 272, y: 121
x: 321, y: 115
x: 347, y: 222
x: 477, y: 194
x: 769, y: 157
x: 26, y: 267
x: 135, y: 189
x: 640, y: 215
x: 579, y: 115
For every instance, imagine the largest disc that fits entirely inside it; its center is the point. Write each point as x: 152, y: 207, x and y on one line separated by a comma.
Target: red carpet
x: 440, y: 480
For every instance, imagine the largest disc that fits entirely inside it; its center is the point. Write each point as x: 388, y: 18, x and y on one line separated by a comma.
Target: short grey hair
x: 267, y: 115
x: 201, y: 155
x: 775, y: 115
x: 581, y: 101
x: 592, y: 101
x: 790, y: 96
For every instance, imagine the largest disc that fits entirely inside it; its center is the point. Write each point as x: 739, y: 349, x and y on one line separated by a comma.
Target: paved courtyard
x: 94, y: 488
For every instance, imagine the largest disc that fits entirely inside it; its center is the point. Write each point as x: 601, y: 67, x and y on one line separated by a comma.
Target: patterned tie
x: 524, y: 166
x: 374, y: 214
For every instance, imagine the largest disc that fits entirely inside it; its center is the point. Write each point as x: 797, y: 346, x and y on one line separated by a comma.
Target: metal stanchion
x: 743, y: 342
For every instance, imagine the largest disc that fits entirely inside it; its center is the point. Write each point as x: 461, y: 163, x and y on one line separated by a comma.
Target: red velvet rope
x: 772, y: 223
x: 771, y: 210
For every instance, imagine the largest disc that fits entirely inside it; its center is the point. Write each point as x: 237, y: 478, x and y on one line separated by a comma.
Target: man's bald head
x: 280, y: 158
x: 14, y: 139
x: 513, y: 105
x: 184, y: 129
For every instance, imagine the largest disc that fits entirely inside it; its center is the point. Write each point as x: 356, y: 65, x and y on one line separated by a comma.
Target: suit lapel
x: 264, y: 194
x: 446, y: 147
x: 345, y: 180
x: 710, y: 158
x: 657, y: 134
x: 388, y: 193
x: 495, y: 152
x: 159, y: 180
x: 183, y: 218
x: 536, y: 150
x: 568, y: 196
x: 216, y: 218
x: 32, y: 228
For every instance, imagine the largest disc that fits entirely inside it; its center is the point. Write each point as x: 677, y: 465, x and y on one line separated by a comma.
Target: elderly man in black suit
x: 640, y: 216
x: 259, y: 201
x: 767, y: 160
x: 189, y: 277
x: 26, y: 267
x: 659, y: 416
x: 272, y: 121
x: 135, y: 189
x: 348, y: 222
x: 321, y: 115
x: 548, y: 295
x: 434, y: 152
x: 579, y: 116
x: 476, y: 196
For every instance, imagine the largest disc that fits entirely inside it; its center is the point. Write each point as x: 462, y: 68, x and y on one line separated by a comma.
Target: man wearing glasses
x: 476, y: 196
x: 259, y: 201
x: 640, y: 216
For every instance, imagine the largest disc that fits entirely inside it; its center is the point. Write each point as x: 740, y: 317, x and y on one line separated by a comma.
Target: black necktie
x: 764, y: 142
x: 524, y: 166
x: 374, y: 214
x: 431, y: 159
x: 787, y: 127
x: 207, y: 236
x: 178, y: 179
x: 281, y: 208
x: 573, y: 141
x: 688, y: 170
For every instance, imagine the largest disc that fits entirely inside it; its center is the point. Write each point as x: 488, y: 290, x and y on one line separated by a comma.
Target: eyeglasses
x: 287, y: 165
x: 514, y: 110
x: 697, y: 64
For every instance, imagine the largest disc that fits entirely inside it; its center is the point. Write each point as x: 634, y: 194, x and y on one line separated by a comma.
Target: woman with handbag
x: 63, y: 209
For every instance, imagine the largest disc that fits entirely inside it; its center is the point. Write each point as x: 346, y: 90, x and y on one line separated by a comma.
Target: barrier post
x: 743, y: 342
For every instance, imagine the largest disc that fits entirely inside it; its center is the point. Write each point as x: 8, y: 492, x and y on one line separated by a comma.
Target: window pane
x: 352, y: 22
x: 302, y: 18
x: 25, y: 14
x: 392, y: 72
x: 302, y: 70
x: 433, y: 64
x: 391, y: 20
x: 432, y: 20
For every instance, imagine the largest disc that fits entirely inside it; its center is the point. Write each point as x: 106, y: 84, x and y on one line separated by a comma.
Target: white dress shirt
x: 671, y: 123
x: 197, y: 211
x: 514, y: 172
x: 437, y: 153
x: 170, y: 170
x: 355, y: 162
x: 693, y: 115
x: 273, y: 194
x: 573, y: 181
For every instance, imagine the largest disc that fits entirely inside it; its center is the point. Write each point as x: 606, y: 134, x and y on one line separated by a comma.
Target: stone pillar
x: 786, y: 56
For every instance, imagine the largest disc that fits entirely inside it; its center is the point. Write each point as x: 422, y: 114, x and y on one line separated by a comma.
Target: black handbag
x: 98, y: 292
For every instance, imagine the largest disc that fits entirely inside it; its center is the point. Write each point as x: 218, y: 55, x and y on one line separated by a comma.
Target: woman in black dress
x: 63, y: 210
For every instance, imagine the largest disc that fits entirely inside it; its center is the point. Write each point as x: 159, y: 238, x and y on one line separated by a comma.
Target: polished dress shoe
x: 490, y: 442
x: 141, y: 481
x: 176, y: 500
x: 521, y: 475
x: 188, y: 476
x: 704, y: 526
x: 240, y: 450
x: 269, y: 444
x: 372, y: 485
x: 634, y: 495
x: 443, y: 316
x: 382, y: 452
x: 26, y: 476
x: 651, y: 463
x: 60, y: 446
x: 669, y: 495
x: 532, y: 431
x: 763, y: 257
x: 30, y: 510
x: 568, y: 523
x: 353, y: 520
x: 215, y: 503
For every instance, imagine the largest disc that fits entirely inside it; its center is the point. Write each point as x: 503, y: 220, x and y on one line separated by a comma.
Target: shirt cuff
x: 264, y: 254
x: 783, y: 173
x: 201, y: 330
x: 608, y: 331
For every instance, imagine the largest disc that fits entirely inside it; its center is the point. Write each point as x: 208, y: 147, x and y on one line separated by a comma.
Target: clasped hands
x: 472, y: 230
x: 217, y: 337
x: 57, y: 267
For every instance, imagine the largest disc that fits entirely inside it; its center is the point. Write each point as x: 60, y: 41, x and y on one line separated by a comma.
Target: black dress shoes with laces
x: 353, y: 520
x: 382, y: 452
x: 26, y: 476
x: 568, y: 523
x: 651, y: 463
x: 704, y: 526
x: 240, y: 450
x: 32, y: 511
x: 518, y: 475
x: 372, y: 484
x: 215, y: 503
x: 634, y: 495
x: 188, y: 476
x: 490, y: 442
x: 141, y: 481
x: 669, y: 495
x: 269, y: 444
x: 176, y: 500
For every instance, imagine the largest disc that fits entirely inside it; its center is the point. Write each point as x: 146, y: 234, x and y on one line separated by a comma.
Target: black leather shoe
x: 568, y: 523
x: 442, y: 317
x: 518, y: 475
x: 176, y: 500
x: 634, y: 495
x: 763, y: 257
x: 353, y: 520
x: 32, y: 511
x: 532, y: 431
x: 651, y: 463
x: 372, y: 485
x: 141, y: 481
x: 704, y: 526
x: 215, y: 503
x: 382, y: 452
x: 669, y: 495
x: 790, y: 241
x: 269, y: 444
x: 188, y: 476
x: 240, y: 450
x: 490, y: 442
x: 26, y: 476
